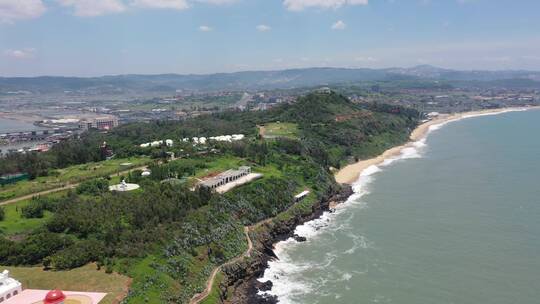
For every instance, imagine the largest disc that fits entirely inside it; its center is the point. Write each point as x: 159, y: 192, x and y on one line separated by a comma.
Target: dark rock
x: 265, y: 286
x: 242, y: 278
x: 299, y: 238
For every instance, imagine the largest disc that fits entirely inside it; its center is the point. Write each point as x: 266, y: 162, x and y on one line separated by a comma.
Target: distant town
x: 59, y: 116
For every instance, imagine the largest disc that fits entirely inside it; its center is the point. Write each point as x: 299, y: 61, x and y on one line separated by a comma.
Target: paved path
x: 58, y: 189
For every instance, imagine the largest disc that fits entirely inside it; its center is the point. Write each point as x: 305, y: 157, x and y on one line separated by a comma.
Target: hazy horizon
x: 273, y: 70
x: 118, y: 37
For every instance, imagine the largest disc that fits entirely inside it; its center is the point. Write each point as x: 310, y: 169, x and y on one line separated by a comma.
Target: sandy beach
x: 350, y: 173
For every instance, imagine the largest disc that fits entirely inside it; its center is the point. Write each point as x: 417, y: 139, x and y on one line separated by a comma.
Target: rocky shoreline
x: 241, y: 285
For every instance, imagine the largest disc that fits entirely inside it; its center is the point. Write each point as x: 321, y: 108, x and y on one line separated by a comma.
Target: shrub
x: 33, y: 210
x: 77, y: 255
x: 93, y: 187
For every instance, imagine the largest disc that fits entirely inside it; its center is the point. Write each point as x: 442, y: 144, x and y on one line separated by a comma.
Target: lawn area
x: 85, y: 278
x: 14, y: 224
x: 220, y: 164
x: 148, y: 283
x: 74, y: 174
x: 280, y: 129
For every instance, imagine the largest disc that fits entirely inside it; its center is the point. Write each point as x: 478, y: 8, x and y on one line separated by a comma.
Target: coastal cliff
x: 241, y: 284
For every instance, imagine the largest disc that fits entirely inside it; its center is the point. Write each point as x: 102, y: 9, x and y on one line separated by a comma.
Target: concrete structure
x: 239, y: 182
x: 124, y: 187
x: 9, y: 287
x: 225, y: 177
x: 301, y: 196
x: 101, y: 123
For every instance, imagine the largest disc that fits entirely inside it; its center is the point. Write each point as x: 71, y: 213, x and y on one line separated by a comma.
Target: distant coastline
x: 350, y: 173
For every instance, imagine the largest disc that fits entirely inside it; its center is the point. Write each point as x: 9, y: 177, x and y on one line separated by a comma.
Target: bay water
x: 456, y: 219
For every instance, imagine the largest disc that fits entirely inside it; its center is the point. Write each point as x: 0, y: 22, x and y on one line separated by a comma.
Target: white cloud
x: 12, y: 10
x: 26, y: 53
x: 216, y: 2
x: 263, y: 28
x: 176, y: 4
x: 205, y: 28
x: 161, y: 4
x: 339, y: 25
x: 299, y: 5
x: 92, y: 8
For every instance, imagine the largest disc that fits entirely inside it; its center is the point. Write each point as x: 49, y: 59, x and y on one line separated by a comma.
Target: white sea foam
x: 286, y: 274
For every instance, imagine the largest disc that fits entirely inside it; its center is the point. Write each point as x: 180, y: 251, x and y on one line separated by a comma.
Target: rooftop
x: 35, y: 296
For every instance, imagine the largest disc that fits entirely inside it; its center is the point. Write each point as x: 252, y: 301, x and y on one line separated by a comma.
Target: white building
x: 9, y: 287
x: 226, y: 177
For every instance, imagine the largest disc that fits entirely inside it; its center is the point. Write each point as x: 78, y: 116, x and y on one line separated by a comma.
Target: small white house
x: 156, y: 143
x: 9, y: 287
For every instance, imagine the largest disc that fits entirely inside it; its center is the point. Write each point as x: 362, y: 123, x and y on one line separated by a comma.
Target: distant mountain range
x: 250, y: 80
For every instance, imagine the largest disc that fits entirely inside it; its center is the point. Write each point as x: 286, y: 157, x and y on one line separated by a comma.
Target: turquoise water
x: 456, y: 220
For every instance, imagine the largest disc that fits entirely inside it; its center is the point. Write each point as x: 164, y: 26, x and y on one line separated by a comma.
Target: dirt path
x: 262, y: 131
x: 67, y: 187
x: 201, y: 296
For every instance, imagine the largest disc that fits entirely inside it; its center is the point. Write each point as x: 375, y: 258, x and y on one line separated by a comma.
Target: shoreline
x: 352, y: 172
x: 243, y: 278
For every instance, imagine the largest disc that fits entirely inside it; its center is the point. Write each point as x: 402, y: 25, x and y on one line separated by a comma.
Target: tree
x: 93, y: 187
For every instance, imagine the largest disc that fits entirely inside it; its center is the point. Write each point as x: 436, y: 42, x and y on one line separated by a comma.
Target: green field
x: 14, y: 223
x: 70, y: 175
x: 280, y: 129
x: 85, y: 278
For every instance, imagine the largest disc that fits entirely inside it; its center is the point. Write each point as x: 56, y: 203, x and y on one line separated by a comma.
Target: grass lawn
x: 85, y: 278
x: 13, y: 223
x: 220, y: 164
x: 281, y: 129
x: 70, y: 175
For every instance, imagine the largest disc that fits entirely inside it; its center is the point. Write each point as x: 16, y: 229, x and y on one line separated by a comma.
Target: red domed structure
x: 54, y: 297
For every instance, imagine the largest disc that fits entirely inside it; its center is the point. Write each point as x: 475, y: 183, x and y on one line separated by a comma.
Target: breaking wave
x: 288, y: 275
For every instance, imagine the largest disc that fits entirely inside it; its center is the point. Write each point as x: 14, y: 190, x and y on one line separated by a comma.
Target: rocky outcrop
x: 241, y: 282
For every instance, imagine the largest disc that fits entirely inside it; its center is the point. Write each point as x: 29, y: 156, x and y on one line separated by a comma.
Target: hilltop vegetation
x: 168, y: 237
x: 130, y: 85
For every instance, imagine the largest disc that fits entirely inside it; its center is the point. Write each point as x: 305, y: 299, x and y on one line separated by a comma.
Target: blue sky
x: 98, y: 37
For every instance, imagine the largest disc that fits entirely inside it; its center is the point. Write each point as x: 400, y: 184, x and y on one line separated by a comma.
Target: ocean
x: 12, y: 125
x: 456, y: 219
